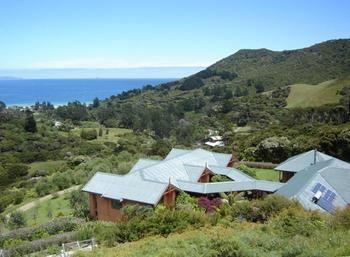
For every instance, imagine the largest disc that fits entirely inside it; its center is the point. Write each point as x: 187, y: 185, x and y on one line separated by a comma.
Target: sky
x: 37, y: 35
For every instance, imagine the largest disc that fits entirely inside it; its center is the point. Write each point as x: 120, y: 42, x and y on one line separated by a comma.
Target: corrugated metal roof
x: 302, y: 161
x: 229, y: 186
x: 174, y: 168
x: 232, y: 173
x: 330, y: 173
x: 148, y: 179
x: 131, y: 187
x: 143, y: 163
x: 339, y: 179
x: 175, y: 152
x: 194, y: 172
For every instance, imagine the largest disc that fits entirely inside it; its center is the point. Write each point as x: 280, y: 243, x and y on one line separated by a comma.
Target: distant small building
x: 322, y: 186
x: 58, y: 124
x: 215, y: 141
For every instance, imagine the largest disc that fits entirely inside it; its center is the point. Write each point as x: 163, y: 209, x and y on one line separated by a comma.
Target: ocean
x: 25, y: 92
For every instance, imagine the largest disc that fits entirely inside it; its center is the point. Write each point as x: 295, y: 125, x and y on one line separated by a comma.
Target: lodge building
x: 318, y: 181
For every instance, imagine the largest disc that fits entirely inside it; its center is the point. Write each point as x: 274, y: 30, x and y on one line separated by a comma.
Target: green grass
x: 50, y: 166
x: 46, y: 211
x: 113, y: 134
x: 304, y: 95
x: 266, y: 174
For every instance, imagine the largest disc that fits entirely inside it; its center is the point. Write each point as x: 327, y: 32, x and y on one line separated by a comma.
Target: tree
x: 259, y: 87
x: 79, y: 203
x: 2, y: 106
x: 30, y: 123
x: 100, y: 132
x: 96, y: 103
x: 16, y: 220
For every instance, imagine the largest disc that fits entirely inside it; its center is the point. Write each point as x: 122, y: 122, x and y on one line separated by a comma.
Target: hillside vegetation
x: 304, y: 95
x: 311, y: 65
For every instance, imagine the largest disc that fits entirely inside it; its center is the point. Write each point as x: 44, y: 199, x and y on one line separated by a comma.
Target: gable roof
x: 131, y: 187
x: 143, y: 163
x: 148, y: 179
x: 304, y: 160
x: 332, y: 173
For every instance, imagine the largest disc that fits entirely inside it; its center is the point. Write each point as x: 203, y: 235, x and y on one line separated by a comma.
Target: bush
x: 296, y: 221
x: 88, y: 134
x: 31, y: 233
x: 209, y: 205
x: 246, y: 170
x: 341, y: 219
x: 16, y: 220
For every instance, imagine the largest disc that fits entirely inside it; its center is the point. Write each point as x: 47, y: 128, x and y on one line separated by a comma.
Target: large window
x: 116, y: 204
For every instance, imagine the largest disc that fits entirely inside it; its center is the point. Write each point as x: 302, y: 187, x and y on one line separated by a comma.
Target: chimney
x: 315, y: 155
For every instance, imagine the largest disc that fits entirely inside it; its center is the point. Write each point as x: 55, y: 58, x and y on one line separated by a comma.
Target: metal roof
x: 131, y: 187
x: 143, y: 163
x: 229, y: 186
x: 174, y: 168
x: 232, y: 173
x: 302, y: 161
x: 148, y: 179
x: 175, y: 152
x: 333, y: 174
x: 339, y: 179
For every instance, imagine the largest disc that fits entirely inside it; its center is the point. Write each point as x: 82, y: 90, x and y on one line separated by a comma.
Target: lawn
x: 266, y: 174
x: 50, y: 166
x: 304, y: 95
x: 113, y: 133
x: 45, y: 211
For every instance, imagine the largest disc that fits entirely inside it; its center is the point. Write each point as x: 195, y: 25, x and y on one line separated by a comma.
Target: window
x: 116, y: 204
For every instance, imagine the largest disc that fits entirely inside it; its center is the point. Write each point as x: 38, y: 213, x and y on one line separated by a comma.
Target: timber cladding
x: 106, y: 209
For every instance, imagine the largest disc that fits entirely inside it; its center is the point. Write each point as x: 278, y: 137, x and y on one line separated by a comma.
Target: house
x: 58, y: 124
x: 300, y: 162
x: 323, y: 186
x: 215, y: 141
x: 151, y: 182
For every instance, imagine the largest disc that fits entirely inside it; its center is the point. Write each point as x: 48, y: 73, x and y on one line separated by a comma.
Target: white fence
x: 69, y: 249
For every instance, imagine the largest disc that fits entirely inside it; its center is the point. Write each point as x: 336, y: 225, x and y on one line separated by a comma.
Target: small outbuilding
x: 322, y: 186
x: 293, y: 165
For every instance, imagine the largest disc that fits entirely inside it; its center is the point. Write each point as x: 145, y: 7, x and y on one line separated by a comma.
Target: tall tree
x: 30, y: 123
x: 96, y: 103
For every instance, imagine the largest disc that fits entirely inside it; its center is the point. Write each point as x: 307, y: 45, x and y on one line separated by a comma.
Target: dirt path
x: 32, y: 204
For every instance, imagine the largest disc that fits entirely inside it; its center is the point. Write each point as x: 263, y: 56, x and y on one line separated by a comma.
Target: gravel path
x: 32, y: 204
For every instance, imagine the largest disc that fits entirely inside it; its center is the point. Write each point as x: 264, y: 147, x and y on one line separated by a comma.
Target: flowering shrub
x: 209, y: 205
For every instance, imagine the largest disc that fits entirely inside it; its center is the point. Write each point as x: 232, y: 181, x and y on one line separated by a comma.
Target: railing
x: 69, y: 249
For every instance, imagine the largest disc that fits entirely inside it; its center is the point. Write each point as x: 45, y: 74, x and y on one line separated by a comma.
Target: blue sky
x: 122, y: 34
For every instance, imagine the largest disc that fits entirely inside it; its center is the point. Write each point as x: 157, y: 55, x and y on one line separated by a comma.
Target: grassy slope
x: 252, y: 240
x: 304, y: 95
x: 48, y: 210
x: 50, y: 166
x: 320, y: 62
x: 113, y: 133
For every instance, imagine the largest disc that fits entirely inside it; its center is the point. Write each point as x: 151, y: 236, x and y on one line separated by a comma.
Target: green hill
x: 305, y: 95
x: 311, y: 65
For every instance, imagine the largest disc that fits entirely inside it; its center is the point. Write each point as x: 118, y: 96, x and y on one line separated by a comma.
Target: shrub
x: 246, y: 170
x: 50, y: 228
x: 185, y: 201
x: 296, y: 221
x: 16, y: 220
x: 209, y: 205
x: 88, y: 134
x: 341, y: 219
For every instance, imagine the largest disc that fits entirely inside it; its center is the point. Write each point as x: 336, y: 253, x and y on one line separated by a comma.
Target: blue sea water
x: 25, y: 92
